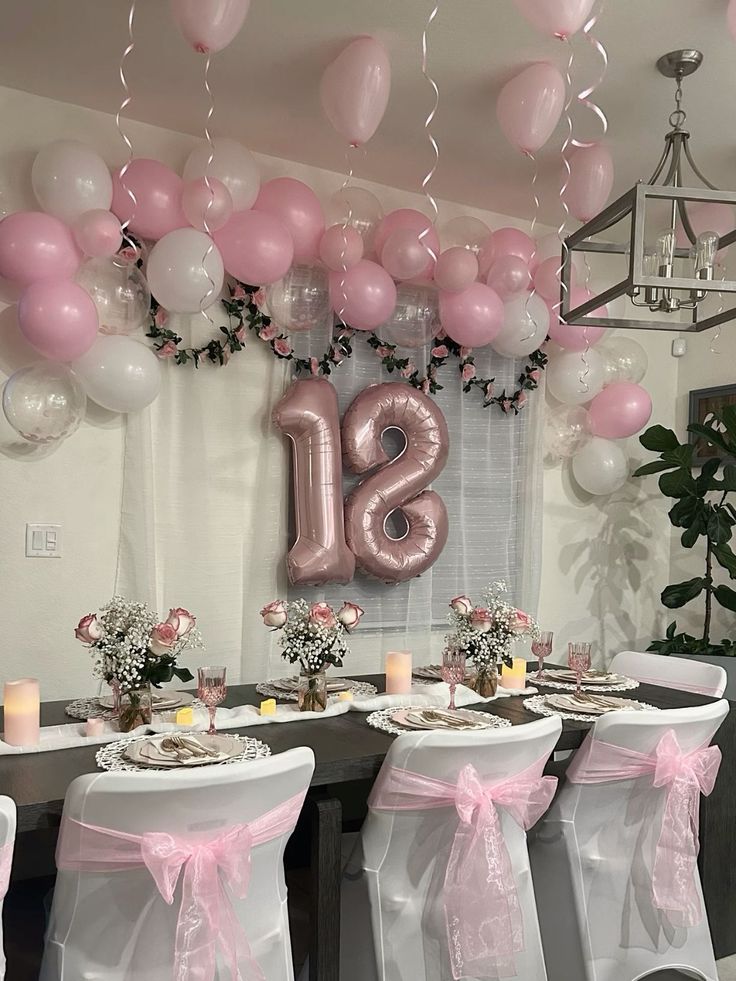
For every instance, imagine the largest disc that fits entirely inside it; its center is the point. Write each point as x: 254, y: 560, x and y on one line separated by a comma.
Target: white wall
x: 604, y: 561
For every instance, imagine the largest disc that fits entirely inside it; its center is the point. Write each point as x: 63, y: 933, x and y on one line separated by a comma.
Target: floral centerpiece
x: 314, y: 636
x: 487, y: 633
x: 134, y: 650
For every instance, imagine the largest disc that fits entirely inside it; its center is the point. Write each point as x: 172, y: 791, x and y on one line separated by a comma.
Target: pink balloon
x: 209, y: 25
x: 364, y: 296
x: 341, y: 247
x: 547, y: 279
x: 558, y: 18
x: 456, y: 269
x: 620, y: 410
x: 355, y: 88
x: 570, y: 336
x: 404, y: 256
x: 473, y: 317
x: 530, y: 105
x: 708, y: 216
x: 590, y: 181
x: 97, y: 233
x: 512, y: 241
x: 157, y: 191
x: 256, y: 248
x: 298, y: 207
x: 58, y: 319
x: 509, y: 276
x: 206, y: 203
x: 487, y: 256
x: 35, y: 246
x: 406, y: 218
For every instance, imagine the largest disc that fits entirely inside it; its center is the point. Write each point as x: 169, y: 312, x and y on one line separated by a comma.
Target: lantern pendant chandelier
x: 671, y: 269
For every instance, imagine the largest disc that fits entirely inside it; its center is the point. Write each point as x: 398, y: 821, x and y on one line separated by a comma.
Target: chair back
x: 126, y: 908
x: 404, y: 853
x: 7, y: 841
x: 687, y: 674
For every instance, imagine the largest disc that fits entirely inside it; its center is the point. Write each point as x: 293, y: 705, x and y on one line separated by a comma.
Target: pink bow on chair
x: 484, y: 922
x: 684, y: 776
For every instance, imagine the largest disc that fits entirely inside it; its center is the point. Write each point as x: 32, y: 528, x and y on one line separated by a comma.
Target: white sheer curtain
x: 206, y: 494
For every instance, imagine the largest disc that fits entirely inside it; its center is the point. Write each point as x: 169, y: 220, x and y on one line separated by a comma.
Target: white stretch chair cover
x: 393, y: 911
x: 7, y: 842
x: 594, y: 852
x: 116, y: 925
x: 687, y: 674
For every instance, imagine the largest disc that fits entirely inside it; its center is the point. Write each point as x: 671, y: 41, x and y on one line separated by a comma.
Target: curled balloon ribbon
x: 584, y: 97
x: 532, y: 228
x: 430, y: 136
x: 127, y: 99
x: 348, y: 219
x: 210, y: 293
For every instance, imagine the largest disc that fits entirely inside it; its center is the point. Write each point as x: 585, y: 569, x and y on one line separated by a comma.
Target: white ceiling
x: 266, y: 83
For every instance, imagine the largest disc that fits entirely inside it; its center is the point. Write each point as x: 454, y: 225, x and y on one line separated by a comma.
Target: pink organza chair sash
x: 206, y: 918
x: 484, y: 923
x: 684, y: 776
x: 6, y: 861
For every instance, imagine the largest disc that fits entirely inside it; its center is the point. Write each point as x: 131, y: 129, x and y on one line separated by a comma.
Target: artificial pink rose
x: 163, y: 638
x: 384, y: 352
x: 274, y: 614
x: 259, y: 298
x: 481, y: 619
x: 129, y: 253
x: 321, y: 615
x: 282, y: 347
x: 89, y: 629
x: 521, y: 623
x: 226, y: 355
x: 534, y: 375
x: 161, y: 317
x: 465, y: 352
x: 521, y: 400
x: 462, y: 605
x: 167, y: 350
x: 314, y: 366
x: 468, y: 372
x: 349, y: 615
x: 425, y: 386
x: 181, y: 620
x: 441, y: 351
x: 240, y: 334
x: 506, y: 405
x: 408, y: 371
x: 488, y: 390
x: 268, y: 333
x: 238, y: 293
x: 335, y: 358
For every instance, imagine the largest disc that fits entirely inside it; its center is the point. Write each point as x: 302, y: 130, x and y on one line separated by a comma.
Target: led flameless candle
x: 398, y: 672
x: 185, y: 716
x: 515, y: 676
x: 268, y: 706
x: 94, y: 727
x: 22, y: 712
x: 345, y: 696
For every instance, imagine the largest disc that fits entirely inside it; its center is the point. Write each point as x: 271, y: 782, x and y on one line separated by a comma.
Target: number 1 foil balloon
x: 397, y: 484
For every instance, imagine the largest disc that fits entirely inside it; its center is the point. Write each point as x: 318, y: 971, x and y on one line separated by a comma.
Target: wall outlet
x: 43, y: 541
x: 679, y: 347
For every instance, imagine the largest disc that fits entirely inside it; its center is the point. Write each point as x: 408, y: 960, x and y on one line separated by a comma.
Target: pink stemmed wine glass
x: 578, y: 660
x: 542, y: 648
x: 453, y: 671
x: 212, y: 689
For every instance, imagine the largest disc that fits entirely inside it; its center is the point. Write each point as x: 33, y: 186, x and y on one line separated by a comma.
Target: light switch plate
x: 43, y: 541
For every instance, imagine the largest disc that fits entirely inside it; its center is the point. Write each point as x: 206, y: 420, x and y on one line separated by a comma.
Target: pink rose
x: 425, y: 386
x: 441, y: 351
x: 89, y: 629
x: 334, y: 356
x: 488, y: 391
x: 506, y: 405
x: 240, y: 334
x: 314, y: 366
x: 409, y: 370
x: 274, y: 614
x: 268, y: 333
x: 534, y: 375
x: 181, y: 620
x: 462, y: 605
x: 383, y: 351
x: 163, y: 638
x: 259, y: 298
x: 161, y: 317
x: 129, y: 253
x: 321, y: 615
x: 468, y: 372
x: 167, y: 350
x: 282, y: 347
x: 350, y: 614
x: 521, y: 623
x: 481, y: 619
x: 238, y: 292
x: 465, y: 352
x: 521, y: 400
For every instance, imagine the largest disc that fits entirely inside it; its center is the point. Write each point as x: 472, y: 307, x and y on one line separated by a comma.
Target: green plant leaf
x: 705, y: 481
x: 726, y: 597
x: 658, y: 438
x: 686, y: 512
x: 690, y: 535
x: 719, y: 526
x: 655, y: 467
x: 680, y: 593
x: 726, y: 558
x: 677, y: 483
x: 681, y: 455
x: 728, y: 482
x: 727, y: 416
x: 711, y: 436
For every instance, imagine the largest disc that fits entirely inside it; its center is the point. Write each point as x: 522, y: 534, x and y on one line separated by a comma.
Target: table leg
x: 324, y: 914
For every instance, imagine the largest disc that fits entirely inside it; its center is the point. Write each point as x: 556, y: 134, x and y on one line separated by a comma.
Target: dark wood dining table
x: 347, y: 750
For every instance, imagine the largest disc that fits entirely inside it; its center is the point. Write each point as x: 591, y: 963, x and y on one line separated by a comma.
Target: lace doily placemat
x: 626, y: 684
x: 111, y: 756
x: 383, y: 720
x: 538, y: 706
x: 90, y: 708
x: 360, y: 689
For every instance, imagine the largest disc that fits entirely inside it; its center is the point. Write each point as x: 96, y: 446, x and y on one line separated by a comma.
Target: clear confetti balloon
x: 301, y: 300
x: 465, y: 231
x: 359, y: 208
x: 416, y: 317
x: 566, y: 431
x: 44, y: 402
x: 625, y: 359
x: 119, y: 291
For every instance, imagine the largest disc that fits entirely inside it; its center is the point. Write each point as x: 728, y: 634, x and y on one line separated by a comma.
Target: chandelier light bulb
x: 706, y: 246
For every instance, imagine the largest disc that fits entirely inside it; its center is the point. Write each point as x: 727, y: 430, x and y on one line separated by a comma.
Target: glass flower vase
x: 136, y: 709
x: 485, y: 680
x: 312, y: 691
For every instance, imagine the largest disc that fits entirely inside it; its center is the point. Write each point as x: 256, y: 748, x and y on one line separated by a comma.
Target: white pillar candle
x: 514, y: 676
x: 22, y: 704
x: 398, y: 672
x: 94, y: 727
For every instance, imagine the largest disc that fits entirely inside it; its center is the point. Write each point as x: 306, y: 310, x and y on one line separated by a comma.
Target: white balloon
x: 233, y: 164
x: 466, y: 231
x: 566, y: 431
x: 600, y: 467
x: 550, y: 246
x: 119, y: 291
x: 575, y: 378
x: 70, y: 178
x: 44, y: 402
x: 301, y: 300
x: 120, y: 374
x: 625, y: 359
x: 177, y: 275
x: 359, y: 208
x: 525, y: 326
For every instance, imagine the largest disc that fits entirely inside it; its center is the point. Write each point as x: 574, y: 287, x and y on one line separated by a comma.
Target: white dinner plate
x: 417, y: 718
x: 161, y: 702
x: 148, y: 752
x: 589, y: 678
x: 591, y: 706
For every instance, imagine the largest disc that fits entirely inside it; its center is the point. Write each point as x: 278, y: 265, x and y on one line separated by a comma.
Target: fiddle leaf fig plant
x: 707, y: 517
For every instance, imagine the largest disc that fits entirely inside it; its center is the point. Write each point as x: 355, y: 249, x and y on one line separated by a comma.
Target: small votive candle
x: 22, y: 712
x: 398, y: 672
x: 345, y: 696
x: 514, y: 676
x: 268, y: 706
x: 185, y: 716
x: 94, y: 727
